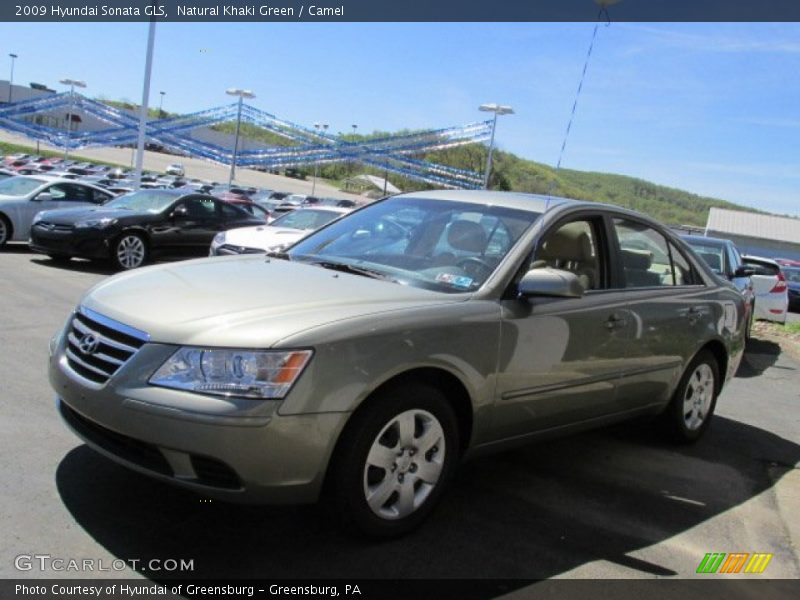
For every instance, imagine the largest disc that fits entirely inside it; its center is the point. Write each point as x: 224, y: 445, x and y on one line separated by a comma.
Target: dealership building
x: 756, y: 234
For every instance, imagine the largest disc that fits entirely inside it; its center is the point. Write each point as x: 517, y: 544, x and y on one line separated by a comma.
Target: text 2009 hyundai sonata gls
x: 383, y: 348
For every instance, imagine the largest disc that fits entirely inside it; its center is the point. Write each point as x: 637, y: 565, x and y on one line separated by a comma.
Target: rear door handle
x: 694, y: 314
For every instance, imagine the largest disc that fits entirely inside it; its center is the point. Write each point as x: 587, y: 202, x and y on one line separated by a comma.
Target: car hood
x: 264, y: 236
x: 5, y: 198
x: 68, y: 216
x: 250, y: 302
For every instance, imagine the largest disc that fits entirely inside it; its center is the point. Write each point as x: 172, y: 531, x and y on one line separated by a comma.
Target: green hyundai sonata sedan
x: 378, y: 352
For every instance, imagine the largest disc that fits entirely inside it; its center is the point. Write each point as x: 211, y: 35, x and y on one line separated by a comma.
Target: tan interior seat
x: 570, y: 248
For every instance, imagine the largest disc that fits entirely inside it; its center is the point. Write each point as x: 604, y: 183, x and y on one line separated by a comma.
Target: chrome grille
x: 230, y: 249
x: 98, y: 346
x: 52, y: 226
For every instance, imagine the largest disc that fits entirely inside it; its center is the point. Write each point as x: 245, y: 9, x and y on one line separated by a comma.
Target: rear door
x: 667, y: 307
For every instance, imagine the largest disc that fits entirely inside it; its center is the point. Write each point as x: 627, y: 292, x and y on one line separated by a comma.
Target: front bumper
x: 89, y: 243
x: 231, y: 449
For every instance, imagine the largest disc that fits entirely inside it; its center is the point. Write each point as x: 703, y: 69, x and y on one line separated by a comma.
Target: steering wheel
x: 475, y: 267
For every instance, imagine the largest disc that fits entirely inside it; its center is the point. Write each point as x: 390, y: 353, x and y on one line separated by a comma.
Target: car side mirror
x: 181, y: 212
x: 43, y: 197
x: 744, y: 271
x: 550, y: 282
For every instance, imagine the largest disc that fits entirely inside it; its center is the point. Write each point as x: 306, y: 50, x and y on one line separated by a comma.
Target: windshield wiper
x: 279, y: 254
x: 348, y: 268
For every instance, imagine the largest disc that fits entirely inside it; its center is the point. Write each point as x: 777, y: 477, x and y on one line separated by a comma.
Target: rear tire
x: 689, y: 413
x: 395, y: 459
x: 748, y: 333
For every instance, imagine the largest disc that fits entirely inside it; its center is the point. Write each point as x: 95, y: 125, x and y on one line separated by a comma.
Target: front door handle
x: 615, y: 321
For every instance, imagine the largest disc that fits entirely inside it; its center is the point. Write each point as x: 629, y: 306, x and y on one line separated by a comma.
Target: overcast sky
x: 710, y: 108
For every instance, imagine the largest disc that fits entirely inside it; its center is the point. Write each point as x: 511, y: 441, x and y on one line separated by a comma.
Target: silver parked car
x: 22, y: 197
x: 385, y: 347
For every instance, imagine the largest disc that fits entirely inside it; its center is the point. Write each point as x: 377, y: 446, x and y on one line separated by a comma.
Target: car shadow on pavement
x: 759, y: 356
x: 530, y: 513
x: 82, y: 266
x: 13, y: 248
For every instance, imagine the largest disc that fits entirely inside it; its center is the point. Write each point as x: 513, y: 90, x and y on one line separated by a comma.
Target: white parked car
x: 22, y: 197
x: 279, y: 234
x: 770, y: 287
x: 175, y: 169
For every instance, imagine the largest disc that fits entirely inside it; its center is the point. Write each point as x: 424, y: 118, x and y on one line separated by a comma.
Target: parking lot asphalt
x: 615, y: 503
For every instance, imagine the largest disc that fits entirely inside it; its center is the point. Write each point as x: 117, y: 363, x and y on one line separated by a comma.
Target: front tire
x: 129, y: 251
x: 689, y: 413
x: 5, y: 230
x: 395, y: 460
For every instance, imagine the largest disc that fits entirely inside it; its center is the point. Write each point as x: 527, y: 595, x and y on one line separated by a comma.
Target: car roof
x: 175, y: 192
x: 710, y: 241
x: 50, y: 179
x: 532, y: 202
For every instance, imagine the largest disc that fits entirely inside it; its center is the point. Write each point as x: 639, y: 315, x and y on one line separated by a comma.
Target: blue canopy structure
x: 394, y: 153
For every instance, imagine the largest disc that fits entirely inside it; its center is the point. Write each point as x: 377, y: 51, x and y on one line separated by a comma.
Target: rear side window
x: 232, y: 213
x: 682, y: 271
x: 649, y: 259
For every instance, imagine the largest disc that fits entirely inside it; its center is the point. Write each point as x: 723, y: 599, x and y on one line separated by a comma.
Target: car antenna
x: 602, y: 15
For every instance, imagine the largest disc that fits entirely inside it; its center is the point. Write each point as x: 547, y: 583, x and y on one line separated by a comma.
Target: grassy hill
x: 510, y: 172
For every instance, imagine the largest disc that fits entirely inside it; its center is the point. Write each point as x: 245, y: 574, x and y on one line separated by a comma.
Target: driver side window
x: 572, y: 247
x: 56, y: 192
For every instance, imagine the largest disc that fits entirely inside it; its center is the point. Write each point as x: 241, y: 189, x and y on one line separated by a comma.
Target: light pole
x: 71, y: 83
x: 242, y: 94
x: 11, y: 79
x: 324, y: 127
x: 353, y: 162
x: 161, y: 105
x: 497, y: 110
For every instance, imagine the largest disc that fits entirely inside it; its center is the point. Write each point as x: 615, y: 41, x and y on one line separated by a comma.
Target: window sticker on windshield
x: 455, y: 280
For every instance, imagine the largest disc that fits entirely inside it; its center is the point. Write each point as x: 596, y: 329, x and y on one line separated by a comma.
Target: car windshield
x: 435, y: 244
x: 306, y: 219
x: 19, y: 186
x: 143, y: 201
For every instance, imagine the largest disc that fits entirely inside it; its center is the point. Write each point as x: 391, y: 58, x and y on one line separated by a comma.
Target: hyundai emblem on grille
x: 88, y: 344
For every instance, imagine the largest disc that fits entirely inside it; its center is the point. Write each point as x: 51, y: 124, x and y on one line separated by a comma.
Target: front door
x: 560, y: 359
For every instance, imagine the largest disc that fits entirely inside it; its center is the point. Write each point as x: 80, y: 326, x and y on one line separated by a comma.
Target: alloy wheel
x: 130, y: 252
x: 3, y: 231
x: 698, y: 396
x: 404, y: 464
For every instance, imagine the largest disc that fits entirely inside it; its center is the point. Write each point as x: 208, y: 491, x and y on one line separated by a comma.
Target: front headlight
x: 242, y: 373
x: 219, y: 239
x: 37, y: 217
x: 99, y: 223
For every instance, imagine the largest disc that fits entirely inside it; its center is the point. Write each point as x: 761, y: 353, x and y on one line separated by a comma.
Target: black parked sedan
x: 137, y: 226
